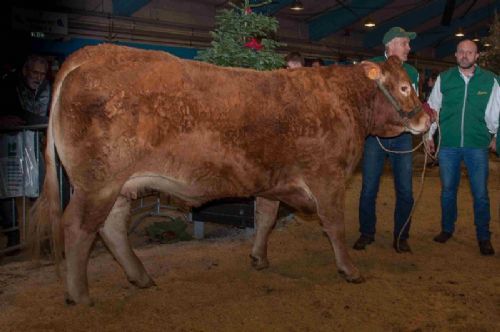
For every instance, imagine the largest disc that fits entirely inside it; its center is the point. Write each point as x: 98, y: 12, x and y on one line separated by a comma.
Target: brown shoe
x: 402, y: 246
x: 442, y: 237
x: 362, y: 242
x: 486, y: 248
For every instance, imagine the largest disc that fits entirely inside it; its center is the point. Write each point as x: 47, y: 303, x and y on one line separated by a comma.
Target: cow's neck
x: 368, y: 98
x: 362, y: 94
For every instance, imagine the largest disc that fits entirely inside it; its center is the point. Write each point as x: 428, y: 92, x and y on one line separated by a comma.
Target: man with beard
x: 25, y: 100
x: 26, y: 96
x: 467, y: 100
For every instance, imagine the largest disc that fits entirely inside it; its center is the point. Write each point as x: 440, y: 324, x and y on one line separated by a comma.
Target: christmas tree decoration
x: 242, y: 38
x: 490, y: 57
x: 254, y: 44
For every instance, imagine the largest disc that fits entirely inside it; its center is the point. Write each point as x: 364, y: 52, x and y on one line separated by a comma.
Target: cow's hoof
x: 147, y: 284
x: 70, y: 302
x: 355, y: 279
x: 259, y: 263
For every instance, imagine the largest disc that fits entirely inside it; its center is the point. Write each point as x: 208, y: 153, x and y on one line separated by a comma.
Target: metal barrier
x: 38, y: 131
x: 148, y: 210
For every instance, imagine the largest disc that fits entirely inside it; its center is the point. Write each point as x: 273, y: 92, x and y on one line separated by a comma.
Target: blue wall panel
x: 64, y: 49
x: 450, y: 46
x: 407, y: 21
x: 127, y: 7
x: 337, y: 19
x: 272, y: 8
x: 432, y: 36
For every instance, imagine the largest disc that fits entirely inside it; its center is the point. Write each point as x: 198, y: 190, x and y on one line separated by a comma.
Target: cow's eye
x: 405, y: 89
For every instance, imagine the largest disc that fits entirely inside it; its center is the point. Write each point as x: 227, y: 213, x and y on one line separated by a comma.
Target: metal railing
x: 17, y: 222
x: 144, y: 210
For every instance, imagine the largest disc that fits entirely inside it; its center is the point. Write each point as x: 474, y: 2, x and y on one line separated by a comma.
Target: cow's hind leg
x: 77, y: 245
x: 114, y: 235
x: 265, y: 218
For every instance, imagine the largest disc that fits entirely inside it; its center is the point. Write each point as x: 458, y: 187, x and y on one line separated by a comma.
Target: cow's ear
x: 372, y: 70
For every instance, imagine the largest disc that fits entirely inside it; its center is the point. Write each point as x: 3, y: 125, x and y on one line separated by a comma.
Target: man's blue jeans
x: 476, y: 161
x: 372, y: 167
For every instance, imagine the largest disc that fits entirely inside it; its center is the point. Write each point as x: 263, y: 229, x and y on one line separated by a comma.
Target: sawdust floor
x: 209, y: 285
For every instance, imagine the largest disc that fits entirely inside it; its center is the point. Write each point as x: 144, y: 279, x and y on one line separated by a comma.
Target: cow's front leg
x: 77, y: 244
x: 266, y: 212
x: 330, y: 206
x: 114, y: 234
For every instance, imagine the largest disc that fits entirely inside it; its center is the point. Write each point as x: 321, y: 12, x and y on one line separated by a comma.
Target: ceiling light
x: 460, y: 33
x: 486, y: 44
x: 369, y: 23
x: 475, y: 39
x: 297, y: 5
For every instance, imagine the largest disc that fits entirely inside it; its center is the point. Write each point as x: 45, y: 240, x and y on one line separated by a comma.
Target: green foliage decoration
x: 242, y: 39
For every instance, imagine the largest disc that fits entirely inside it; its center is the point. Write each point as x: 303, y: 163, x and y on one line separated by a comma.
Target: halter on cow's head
x: 395, y: 92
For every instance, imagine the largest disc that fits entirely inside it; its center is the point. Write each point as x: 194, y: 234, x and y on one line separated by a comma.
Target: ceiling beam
x: 339, y: 18
x: 431, y: 36
x: 450, y: 46
x: 128, y: 7
x: 272, y: 8
x: 407, y: 20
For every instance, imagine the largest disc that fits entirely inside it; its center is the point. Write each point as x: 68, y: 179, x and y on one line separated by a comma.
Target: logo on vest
x: 482, y: 93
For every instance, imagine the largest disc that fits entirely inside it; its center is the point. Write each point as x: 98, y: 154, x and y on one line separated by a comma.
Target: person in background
x: 26, y: 97
x: 429, y: 84
x: 397, y: 43
x: 467, y: 99
x: 25, y: 100
x: 294, y: 60
x: 317, y: 63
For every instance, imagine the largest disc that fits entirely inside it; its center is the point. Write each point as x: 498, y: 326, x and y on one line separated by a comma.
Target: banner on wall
x: 39, y: 21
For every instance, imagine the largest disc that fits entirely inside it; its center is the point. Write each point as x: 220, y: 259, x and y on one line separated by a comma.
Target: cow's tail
x: 45, y: 233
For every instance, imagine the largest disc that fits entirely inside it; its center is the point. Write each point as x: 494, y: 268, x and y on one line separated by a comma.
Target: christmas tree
x: 241, y: 39
x: 491, y: 56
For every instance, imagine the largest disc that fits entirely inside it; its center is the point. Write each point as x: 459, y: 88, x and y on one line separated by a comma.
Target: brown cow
x: 124, y: 120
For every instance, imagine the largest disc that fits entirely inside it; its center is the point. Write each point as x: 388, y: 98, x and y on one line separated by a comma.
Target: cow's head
x: 396, y: 107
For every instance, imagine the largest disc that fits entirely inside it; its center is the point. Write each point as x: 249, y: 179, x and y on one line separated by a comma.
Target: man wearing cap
x: 467, y: 98
x: 397, y: 43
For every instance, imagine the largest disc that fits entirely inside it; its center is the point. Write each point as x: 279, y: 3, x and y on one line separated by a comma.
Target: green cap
x: 395, y: 32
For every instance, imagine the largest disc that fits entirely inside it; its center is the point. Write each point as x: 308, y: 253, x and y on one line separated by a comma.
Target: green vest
x: 498, y: 132
x: 461, y: 118
x: 498, y: 138
x: 410, y: 70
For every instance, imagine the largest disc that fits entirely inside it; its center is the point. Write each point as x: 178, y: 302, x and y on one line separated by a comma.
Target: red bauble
x: 254, y: 44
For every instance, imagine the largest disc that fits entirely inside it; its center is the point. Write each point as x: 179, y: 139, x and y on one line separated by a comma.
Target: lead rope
x: 422, y: 176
